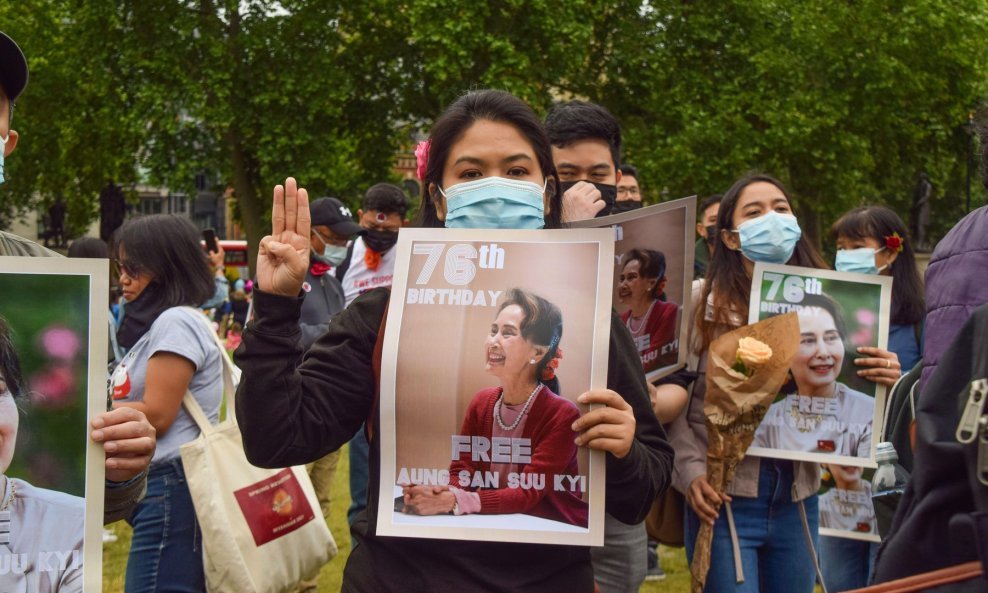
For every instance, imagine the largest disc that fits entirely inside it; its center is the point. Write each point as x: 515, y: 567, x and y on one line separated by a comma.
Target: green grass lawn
x: 115, y: 554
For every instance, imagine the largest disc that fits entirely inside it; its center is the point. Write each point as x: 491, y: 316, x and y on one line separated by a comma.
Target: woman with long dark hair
x: 489, y: 166
x: 874, y: 240
x: 755, y: 223
x: 164, y: 273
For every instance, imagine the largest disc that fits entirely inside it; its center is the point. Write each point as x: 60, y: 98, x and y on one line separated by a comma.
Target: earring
x: 531, y: 361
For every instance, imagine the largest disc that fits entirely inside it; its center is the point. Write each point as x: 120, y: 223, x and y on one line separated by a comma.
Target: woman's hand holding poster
x: 491, y: 337
x: 653, y: 267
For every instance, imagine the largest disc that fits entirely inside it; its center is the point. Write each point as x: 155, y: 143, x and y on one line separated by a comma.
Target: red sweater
x: 549, y: 422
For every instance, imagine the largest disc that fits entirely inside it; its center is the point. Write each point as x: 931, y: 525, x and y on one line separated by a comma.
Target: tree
x: 846, y: 102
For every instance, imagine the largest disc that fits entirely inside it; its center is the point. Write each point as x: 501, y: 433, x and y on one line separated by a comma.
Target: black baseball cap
x: 333, y: 213
x: 13, y: 67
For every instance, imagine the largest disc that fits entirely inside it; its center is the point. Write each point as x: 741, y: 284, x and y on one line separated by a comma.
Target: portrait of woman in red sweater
x: 517, y: 437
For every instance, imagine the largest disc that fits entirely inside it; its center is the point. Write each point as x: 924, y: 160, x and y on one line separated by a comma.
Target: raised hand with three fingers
x: 283, y: 256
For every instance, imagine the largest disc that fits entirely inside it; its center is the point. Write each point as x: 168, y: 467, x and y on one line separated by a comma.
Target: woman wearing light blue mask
x: 488, y: 148
x: 874, y: 240
x: 756, y: 223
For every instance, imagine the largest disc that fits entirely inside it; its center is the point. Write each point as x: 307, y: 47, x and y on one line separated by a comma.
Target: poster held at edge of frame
x: 846, y: 509
x: 450, y: 346
x: 826, y: 413
x: 54, y: 314
x: 653, y: 273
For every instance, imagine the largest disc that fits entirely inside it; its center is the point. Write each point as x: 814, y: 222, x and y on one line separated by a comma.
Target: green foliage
x: 51, y: 438
x: 846, y: 102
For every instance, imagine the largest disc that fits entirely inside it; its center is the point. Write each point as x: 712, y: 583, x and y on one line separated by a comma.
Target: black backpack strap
x: 342, y: 268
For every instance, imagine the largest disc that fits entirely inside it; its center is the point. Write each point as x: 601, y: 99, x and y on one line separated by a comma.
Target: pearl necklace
x: 497, y: 409
x: 641, y: 320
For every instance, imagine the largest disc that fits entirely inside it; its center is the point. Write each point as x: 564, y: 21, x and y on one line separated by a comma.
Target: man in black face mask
x: 586, y: 148
x: 369, y: 263
x: 629, y: 194
x: 371, y: 260
x: 706, y: 228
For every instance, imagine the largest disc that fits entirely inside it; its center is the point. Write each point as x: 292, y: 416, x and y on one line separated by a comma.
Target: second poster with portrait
x: 826, y: 412
x: 53, y: 357
x: 491, y: 337
x: 653, y: 273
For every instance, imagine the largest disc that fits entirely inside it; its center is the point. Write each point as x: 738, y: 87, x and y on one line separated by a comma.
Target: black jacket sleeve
x: 293, y: 410
x: 634, y: 481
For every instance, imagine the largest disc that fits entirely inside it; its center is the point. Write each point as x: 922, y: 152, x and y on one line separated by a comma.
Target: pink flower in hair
x: 422, y: 158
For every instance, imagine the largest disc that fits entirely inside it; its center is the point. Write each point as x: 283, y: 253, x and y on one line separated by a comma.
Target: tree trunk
x: 245, y: 189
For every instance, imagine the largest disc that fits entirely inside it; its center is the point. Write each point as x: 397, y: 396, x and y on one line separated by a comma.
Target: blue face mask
x: 770, y: 238
x: 861, y: 260
x: 3, y: 147
x: 332, y: 255
x: 494, y: 203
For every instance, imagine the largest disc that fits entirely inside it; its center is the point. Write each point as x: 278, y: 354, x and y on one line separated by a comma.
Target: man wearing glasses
x: 629, y: 196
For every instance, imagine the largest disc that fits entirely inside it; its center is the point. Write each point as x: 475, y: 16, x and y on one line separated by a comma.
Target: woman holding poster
x: 40, y: 525
x: 489, y: 165
x: 651, y: 320
x: 755, y: 223
x: 164, y: 273
x: 824, y: 415
x: 524, y: 338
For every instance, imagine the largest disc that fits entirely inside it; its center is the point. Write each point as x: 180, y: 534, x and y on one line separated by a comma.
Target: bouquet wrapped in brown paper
x: 745, y: 370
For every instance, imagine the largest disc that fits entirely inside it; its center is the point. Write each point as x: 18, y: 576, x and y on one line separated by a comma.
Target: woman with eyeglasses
x: 164, y: 274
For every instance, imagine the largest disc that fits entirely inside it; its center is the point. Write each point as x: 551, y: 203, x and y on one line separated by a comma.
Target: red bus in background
x: 235, y: 260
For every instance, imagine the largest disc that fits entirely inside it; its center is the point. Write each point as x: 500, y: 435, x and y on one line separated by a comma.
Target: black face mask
x: 139, y: 314
x: 380, y: 241
x: 608, y: 193
x: 711, y: 233
x: 625, y: 206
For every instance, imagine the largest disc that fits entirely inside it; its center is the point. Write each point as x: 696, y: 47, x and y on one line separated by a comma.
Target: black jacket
x: 934, y: 526
x: 293, y: 411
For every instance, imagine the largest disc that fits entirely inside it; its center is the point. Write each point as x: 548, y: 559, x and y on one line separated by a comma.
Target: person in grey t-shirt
x: 171, y: 350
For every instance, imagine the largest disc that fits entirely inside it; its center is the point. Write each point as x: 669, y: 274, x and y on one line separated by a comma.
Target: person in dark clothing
x: 293, y: 410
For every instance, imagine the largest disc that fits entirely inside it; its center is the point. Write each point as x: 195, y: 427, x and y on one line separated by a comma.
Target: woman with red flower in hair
x: 521, y: 351
x: 874, y: 240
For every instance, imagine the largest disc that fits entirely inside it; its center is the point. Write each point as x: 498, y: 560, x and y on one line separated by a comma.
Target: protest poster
x: 825, y: 413
x: 653, y: 273
x: 452, y: 348
x: 54, y: 328
x: 846, y: 509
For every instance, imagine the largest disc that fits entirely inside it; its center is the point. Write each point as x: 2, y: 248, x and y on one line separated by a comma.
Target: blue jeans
x: 166, y: 549
x: 774, y: 553
x: 846, y: 563
x: 359, y: 474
